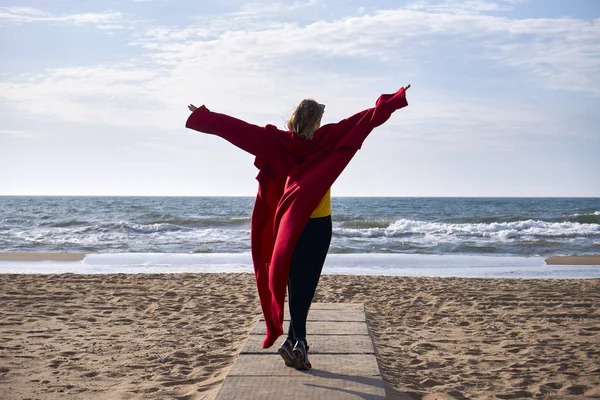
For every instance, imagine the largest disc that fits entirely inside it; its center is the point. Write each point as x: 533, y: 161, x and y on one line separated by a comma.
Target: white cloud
x: 553, y: 50
x: 15, y: 133
x: 95, y: 95
x: 21, y: 14
x: 244, y: 62
x: 261, y: 9
x: 106, y: 20
x: 458, y: 6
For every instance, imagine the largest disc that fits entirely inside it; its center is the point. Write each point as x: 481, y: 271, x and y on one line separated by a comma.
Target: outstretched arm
x: 350, y: 122
x: 357, y: 127
x: 256, y: 140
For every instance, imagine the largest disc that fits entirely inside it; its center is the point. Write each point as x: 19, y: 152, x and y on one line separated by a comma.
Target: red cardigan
x: 294, y: 175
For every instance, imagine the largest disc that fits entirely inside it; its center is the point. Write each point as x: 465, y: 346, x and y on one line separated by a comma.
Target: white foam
x: 594, y: 213
x: 495, y: 230
x: 352, y: 264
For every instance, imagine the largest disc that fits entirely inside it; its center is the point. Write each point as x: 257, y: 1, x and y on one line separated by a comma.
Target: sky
x: 505, y: 95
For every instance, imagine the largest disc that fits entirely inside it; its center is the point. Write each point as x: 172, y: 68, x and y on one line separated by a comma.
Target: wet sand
x: 39, y: 256
x: 573, y: 260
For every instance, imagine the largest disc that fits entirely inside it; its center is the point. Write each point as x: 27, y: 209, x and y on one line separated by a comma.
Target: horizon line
x: 345, y: 196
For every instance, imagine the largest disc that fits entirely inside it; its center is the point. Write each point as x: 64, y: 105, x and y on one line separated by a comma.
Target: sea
x: 411, y: 236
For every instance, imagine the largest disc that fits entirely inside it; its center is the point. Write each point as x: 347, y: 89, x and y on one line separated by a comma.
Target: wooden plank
x: 335, y: 306
x: 319, y: 344
x: 323, y: 364
x: 342, y: 315
x: 308, y: 386
x: 321, y: 328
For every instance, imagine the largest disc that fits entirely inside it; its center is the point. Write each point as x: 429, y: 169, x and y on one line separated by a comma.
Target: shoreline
x: 593, y: 259
x: 359, y: 264
x: 142, y: 336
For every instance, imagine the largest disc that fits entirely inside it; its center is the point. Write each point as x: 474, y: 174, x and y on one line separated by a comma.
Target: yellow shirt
x: 324, y: 207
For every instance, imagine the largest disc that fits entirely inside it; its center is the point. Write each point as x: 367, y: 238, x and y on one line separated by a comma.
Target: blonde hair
x: 306, y: 119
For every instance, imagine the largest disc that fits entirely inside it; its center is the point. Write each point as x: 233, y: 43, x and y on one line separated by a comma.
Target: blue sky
x: 504, y: 99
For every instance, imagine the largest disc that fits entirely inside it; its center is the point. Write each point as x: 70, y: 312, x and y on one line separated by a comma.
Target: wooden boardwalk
x: 341, y: 352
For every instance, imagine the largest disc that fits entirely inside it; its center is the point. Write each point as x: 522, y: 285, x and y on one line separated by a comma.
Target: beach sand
x: 573, y: 260
x: 40, y: 256
x: 176, y: 336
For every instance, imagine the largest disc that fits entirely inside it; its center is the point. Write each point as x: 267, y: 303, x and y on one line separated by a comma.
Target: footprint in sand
x: 576, y: 389
x: 547, y: 387
x: 520, y: 394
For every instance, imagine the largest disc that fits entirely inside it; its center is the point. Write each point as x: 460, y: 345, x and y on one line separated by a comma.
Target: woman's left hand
x: 192, y: 107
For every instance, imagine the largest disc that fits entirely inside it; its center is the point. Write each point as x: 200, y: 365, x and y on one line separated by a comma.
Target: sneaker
x: 285, y: 351
x: 301, y: 355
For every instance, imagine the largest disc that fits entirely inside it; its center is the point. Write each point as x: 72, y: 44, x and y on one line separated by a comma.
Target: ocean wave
x: 201, y: 222
x: 495, y: 230
x: 172, y: 225
x: 376, y: 225
x: 478, y: 249
x: 362, y: 224
x: 202, y: 251
x: 483, y: 220
x: 588, y: 218
x: 148, y: 228
x: 65, y: 224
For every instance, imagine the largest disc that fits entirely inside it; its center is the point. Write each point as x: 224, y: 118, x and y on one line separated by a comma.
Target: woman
x: 291, y: 219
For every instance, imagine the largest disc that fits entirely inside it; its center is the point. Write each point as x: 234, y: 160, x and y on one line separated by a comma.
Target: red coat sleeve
x: 352, y: 131
x: 256, y: 140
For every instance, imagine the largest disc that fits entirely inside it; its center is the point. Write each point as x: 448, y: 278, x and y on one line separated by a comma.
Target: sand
x: 573, y: 260
x: 40, y: 256
x: 176, y: 336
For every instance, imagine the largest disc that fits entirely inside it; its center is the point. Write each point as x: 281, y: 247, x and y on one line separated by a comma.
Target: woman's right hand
x: 192, y: 107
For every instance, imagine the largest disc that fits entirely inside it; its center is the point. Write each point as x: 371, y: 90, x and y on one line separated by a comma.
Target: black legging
x: 305, y: 271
